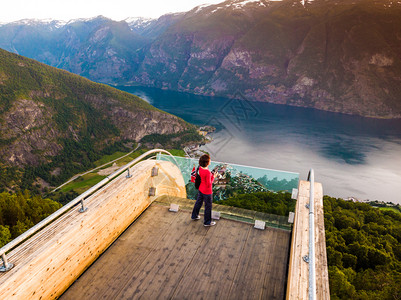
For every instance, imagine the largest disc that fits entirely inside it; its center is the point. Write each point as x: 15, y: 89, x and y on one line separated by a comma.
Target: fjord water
x: 351, y: 156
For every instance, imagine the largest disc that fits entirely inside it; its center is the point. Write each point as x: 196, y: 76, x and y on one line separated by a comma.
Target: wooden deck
x: 165, y: 255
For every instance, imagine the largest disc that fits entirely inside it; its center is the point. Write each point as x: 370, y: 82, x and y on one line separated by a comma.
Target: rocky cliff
x: 99, y: 49
x: 338, y: 56
x: 333, y: 55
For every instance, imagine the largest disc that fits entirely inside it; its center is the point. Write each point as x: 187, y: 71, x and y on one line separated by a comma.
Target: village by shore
x: 194, y: 151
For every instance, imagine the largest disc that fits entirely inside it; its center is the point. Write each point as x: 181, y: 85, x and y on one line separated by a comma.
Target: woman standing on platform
x: 205, y: 193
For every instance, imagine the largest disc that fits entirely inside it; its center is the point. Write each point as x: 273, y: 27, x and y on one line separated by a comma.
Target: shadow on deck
x: 166, y: 255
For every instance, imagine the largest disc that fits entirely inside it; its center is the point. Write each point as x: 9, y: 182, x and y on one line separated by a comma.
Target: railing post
x: 6, y: 266
x: 155, y: 171
x: 311, y: 257
x: 83, y: 208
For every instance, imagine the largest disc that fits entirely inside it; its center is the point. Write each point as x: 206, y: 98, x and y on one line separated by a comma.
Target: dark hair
x: 204, y: 160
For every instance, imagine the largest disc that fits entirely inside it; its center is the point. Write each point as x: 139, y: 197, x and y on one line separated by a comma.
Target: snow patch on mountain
x: 242, y: 4
x: 35, y: 22
x: 213, y: 11
x: 139, y: 22
x: 200, y: 7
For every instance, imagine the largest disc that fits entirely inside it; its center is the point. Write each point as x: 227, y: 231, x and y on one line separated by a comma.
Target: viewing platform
x: 119, y: 240
x: 166, y: 255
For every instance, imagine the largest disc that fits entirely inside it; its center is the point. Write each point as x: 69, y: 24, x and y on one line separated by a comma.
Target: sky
x: 13, y: 10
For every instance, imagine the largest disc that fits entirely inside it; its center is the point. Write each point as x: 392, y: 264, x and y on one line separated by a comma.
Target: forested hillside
x: 19, y: 212
x: 363, y: 250
x: 54, y: 124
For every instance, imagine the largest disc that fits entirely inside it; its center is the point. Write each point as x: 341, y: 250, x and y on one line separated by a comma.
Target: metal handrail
x: 69, y: 205
x: 311, y: 258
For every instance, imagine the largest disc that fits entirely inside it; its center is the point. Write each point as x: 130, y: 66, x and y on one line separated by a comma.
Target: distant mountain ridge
x: 333, y: 55
x: 152, y: 28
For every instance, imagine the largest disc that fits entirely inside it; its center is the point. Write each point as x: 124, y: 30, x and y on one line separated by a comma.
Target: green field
x: 83, y: 183
x: 394, y: 209
x: 177, y: 152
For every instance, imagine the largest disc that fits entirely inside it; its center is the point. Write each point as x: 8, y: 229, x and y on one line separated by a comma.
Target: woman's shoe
x: 211, y: 224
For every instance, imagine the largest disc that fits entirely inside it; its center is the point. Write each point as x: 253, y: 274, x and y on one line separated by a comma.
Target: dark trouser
x: 208, y: 207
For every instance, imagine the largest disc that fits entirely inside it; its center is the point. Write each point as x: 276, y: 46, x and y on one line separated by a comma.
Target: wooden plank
x: 164, y: 267
x: 322, y: 272
x: 298, y: 272
x: 298, y: 275
x: 210, y: 274
x: 278, y: 267
x: 112, y: 270
x: 259, y: 263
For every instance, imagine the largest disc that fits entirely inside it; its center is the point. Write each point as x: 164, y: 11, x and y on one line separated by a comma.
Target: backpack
x: 197, y: 179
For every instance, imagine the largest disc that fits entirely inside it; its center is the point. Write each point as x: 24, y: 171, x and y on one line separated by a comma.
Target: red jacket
x: 206, y: 181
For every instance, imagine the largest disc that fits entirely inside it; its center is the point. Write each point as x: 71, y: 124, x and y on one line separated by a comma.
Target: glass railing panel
x: 236, y: 179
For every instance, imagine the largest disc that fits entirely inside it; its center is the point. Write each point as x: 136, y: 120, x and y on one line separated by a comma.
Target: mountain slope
x: 98, y: 48
x: 54, y: 119
x: 152, y: 28
x: 332, y: 55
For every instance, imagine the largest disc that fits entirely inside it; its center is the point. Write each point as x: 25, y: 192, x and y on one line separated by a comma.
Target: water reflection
x: 346, y: 149
x: 352, y: 156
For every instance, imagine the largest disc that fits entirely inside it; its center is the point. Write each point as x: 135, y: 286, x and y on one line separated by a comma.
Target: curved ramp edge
x: 50, y: 261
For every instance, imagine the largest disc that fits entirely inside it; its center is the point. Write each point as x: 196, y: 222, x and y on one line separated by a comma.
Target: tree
x: 340, y: 284
x: 5, y: 235
x: 363, y: 250
x: 19, y: 212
